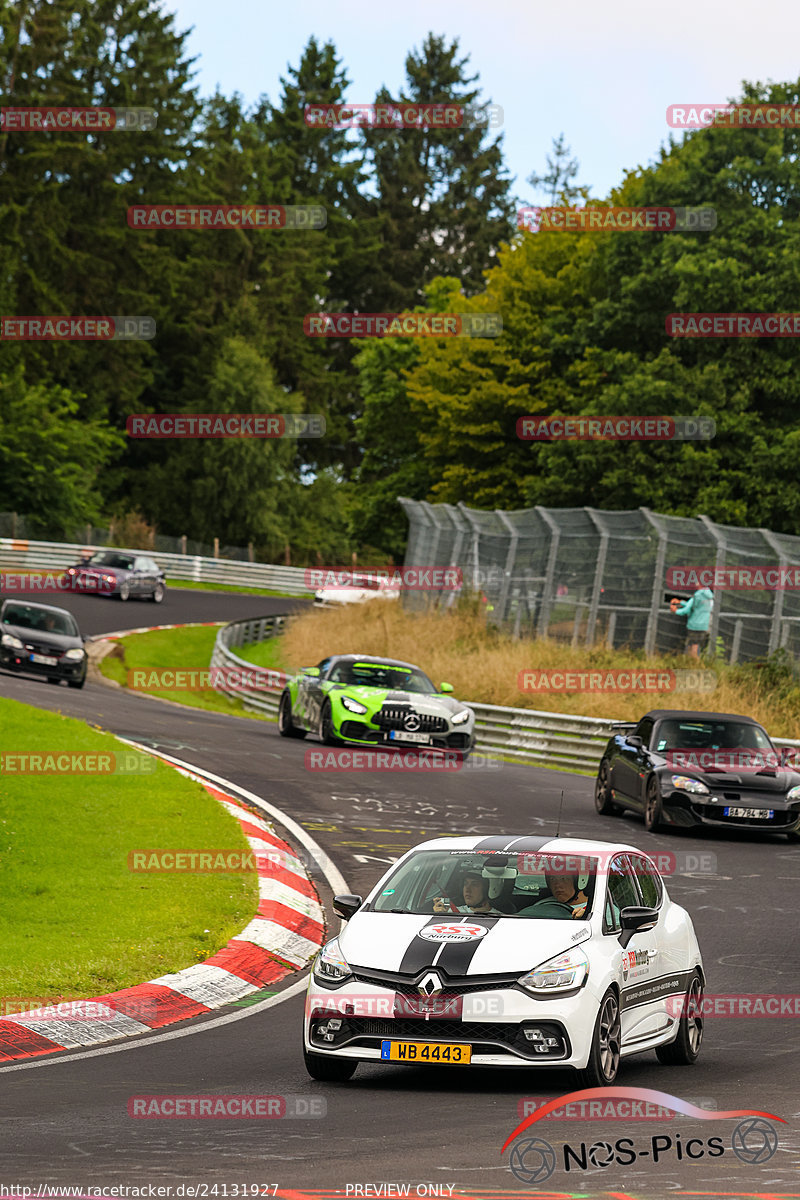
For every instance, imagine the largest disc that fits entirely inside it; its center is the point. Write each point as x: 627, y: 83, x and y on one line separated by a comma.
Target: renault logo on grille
x: 429, y: 985
x: 412, y: 722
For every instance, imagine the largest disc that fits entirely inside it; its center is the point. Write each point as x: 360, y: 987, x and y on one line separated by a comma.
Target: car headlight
x: 75, y: 655
x: 110, y: 578
x: 563, y: 973
x: 461, y: 717
x: 685, y: 783
x: 330, y: 966
x: 353, y: 706
x: 793, y: 793
x: 70, y: 570
x: 13, y: 642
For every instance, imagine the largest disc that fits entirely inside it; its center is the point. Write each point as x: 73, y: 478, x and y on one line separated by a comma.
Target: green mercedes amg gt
x: 355, y: 699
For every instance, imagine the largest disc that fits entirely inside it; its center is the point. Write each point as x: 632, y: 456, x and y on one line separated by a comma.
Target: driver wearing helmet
x: 475, y: 892
x: 564, y: 889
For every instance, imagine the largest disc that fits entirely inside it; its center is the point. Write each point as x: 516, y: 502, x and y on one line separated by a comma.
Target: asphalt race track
x: 66, y: 1122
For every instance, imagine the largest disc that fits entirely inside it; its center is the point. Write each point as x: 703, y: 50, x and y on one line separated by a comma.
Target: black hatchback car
x: 685, y: 768
x: 40, y: 640
x: 118, y: 573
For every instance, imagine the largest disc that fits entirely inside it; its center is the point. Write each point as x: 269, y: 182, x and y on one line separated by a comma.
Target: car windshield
x: 109, y: 558
x: 527, y: 886
x: 688, y: 736
x: 386, y: 676
x: 41, y: 620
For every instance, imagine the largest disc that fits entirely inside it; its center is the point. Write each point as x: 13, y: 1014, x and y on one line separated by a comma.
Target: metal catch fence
x: 588, y: 576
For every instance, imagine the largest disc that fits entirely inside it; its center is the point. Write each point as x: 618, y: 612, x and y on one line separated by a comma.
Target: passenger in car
x: 475, y: 890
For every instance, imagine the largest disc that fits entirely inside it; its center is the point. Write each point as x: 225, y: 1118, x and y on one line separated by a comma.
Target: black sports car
x: 684, y: 768
x: 41, y: 640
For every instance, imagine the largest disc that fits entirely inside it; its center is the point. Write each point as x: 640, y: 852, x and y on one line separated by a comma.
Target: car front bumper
x: 359, y: 733
x: 11, y: 660
x: 687, y: 810
x: 491, y: 1022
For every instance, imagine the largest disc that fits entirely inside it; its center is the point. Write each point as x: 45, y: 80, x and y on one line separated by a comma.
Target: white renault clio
x: 508, y: 952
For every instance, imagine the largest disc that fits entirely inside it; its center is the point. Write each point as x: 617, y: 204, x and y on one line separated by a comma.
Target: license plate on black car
x: 758, y: 814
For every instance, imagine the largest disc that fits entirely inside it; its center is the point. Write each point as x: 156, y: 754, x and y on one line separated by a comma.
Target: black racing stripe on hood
x: 521, y: 843
x: 454, y: 957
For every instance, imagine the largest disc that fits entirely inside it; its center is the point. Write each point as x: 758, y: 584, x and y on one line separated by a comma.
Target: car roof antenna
x: 560, y: 810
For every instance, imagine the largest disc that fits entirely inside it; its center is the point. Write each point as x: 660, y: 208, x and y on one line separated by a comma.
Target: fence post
x: 737, y: 637
x: 591, y: 623
x: 13, y: 525
x: 216, y: 547
x: 612, y: 626
x: 251, y: 554
x: 548, y: 588
x: 651, y: 634
x: 510, y: 557
x: 777, y: 604
x: 183, y: 543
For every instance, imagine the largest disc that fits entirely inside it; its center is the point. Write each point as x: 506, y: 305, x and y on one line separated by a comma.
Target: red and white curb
x: 113, y: 637
x: 286, y: 932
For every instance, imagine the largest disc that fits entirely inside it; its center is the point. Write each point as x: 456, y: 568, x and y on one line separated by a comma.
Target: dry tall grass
x: 483, y: 664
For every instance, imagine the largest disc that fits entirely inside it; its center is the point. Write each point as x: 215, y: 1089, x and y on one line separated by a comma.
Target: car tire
x: 686, y: 1047
x: 159, y: 592
x: 604, y: 1056
x: 325, y: 731
x: 124, y: 590
x: 602, y: 793
x: 329, y: 1070
x: 285, y: 726
x: 653, y: 806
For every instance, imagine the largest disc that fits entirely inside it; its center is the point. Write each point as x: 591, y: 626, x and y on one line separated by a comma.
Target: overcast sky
x: 603, y: 73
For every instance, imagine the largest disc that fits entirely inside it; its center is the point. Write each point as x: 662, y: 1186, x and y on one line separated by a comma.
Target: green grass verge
x: 268, y: 655
x: 172, y: 649
x: 176, y: 584
x: 74, y: 920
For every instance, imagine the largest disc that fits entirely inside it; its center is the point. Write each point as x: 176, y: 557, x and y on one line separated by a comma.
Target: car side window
x: 621, y: 893
x: 644, y: 730
x: 323, y: 666
x: 649, y: 881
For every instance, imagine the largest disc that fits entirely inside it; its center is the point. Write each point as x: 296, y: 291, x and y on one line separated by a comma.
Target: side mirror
x: 313, y: 671
x: 345, y: 906
x: 636, y: 920
x: 445, y: 688
x: 635, y: 741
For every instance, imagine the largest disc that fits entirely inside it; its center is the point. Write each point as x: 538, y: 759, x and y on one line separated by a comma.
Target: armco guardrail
x: 552, y: 739
x: 16, y: 555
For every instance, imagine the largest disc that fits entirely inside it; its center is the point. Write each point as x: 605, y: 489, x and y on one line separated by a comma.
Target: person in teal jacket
x: 697, y: 610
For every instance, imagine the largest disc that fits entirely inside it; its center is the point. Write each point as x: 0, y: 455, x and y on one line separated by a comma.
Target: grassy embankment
x: 75, y: 922
x: 484, y: 664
